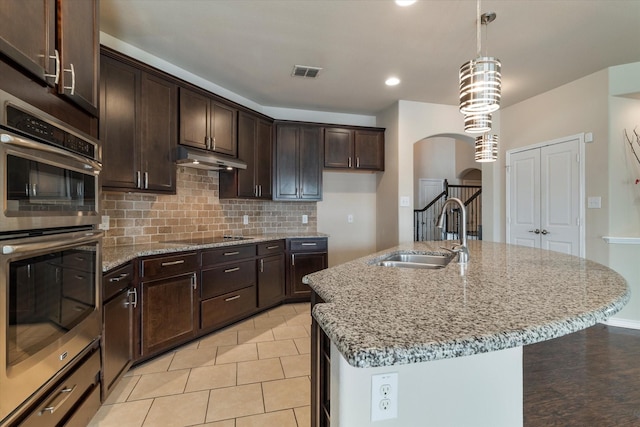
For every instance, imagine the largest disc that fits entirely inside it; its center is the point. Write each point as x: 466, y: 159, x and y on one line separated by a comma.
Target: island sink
x: 411, y: 260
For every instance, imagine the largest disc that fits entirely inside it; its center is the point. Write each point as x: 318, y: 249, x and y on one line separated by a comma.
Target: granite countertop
x: 115, y: 256
x: 507, y: 296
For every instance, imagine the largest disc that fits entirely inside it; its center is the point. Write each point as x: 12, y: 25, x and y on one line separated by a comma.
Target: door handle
x: 544, y: 232
x: 537, y: 231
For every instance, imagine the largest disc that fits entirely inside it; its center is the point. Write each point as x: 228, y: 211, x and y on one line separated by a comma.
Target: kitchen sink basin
x: 409, y: 260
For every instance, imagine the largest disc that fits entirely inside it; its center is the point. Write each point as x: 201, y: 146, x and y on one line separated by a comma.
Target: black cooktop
x: 209, y: 240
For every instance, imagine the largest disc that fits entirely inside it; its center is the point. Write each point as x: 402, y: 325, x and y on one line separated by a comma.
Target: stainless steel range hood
x: 202, y: 159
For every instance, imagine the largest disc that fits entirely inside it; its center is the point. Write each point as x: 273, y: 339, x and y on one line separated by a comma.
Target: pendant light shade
x: 477, y: 123
x: 486, y: 148
x: 480, y: 81
x: 480, y: 85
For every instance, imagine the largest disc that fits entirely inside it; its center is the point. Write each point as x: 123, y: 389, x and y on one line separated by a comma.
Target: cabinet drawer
x: 273, y: 247
x: 227, y: 254
x: 216, y: 311
x: 66, y: 394
x: 308, y: 245
x: 116, y: 280
x: 169, y: 266
x: 222, y: 280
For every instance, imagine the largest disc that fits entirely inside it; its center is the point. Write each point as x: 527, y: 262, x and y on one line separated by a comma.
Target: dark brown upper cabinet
x: 79, y: 49
x: 138, y: 128
x: 298, y: 162
x: 354, y: 149
x: 255, y: 148
x: 207, y: 124
x: 34, y: 49
x: 57, y: 42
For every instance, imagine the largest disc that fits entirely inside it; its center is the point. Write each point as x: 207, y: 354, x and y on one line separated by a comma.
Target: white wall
x: 415, y: 121
x: 624, y: 194
x: 387, y: 229
x: 348, y: 194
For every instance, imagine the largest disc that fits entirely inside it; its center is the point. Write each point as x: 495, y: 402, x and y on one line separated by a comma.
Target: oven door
x: 45, y: 186
x: 49, y: 294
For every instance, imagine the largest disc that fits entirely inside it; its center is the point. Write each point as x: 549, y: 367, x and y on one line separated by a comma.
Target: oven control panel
x: 39, y: 128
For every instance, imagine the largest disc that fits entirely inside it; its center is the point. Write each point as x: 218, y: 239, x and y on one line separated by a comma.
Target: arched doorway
x: 444, y: 167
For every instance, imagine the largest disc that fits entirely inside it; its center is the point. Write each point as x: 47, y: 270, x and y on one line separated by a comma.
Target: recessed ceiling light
x: 392, y: 81
x: 404, y: 3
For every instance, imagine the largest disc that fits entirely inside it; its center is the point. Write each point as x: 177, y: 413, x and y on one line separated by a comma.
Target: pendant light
x: 486, y: 148
x: 477, y: 123
x: 480, y: 78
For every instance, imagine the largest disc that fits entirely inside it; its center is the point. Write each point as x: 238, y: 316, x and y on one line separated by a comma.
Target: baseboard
x: 623, y: 323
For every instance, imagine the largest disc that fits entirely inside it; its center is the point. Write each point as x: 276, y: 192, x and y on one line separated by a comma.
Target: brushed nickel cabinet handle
x: 262, y: 266
x: 309, y: 244
x: 119, y: 278
x: 146, y: 180
x: 231, y: 270
x: 349, y: 162
x: 72, y: 88
x: 169, y: 263
x: 134, y: 302
x: 56, y: 76
x: 231, y: 253
x: 272, y: 247
x: 232, y: 298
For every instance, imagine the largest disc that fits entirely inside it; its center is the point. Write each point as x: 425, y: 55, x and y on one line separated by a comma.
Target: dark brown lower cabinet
x: 271, y: 276
x: 320, y: 373
x: 169, y: 312
x: 117, y: 332
x: 305, y: 256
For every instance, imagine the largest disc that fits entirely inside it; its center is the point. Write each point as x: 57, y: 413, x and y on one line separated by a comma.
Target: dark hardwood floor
x: 590, y: 378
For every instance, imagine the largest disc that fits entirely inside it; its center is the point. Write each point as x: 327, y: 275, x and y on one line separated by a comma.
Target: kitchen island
x: 453, y: 335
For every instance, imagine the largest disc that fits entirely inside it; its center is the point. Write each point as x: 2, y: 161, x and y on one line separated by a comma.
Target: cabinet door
x: 223, y: 129
x: 310, y: 163
x: 287, y: 162
x: 264, y: 159
x: 271, y: 280
x: 369, y: 150
x: 247, y: 135
x: 31, y: 49
x: 116, y: 339
x: 169, y: 312
x: 79, y: 46
x: 194, y: 119
x: 338, y: 148
x: 302, y: 264
x: 119, y: 84
x: 159, y: 116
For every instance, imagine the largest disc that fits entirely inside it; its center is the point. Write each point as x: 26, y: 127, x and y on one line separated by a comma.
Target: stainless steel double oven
x: 50, y: 250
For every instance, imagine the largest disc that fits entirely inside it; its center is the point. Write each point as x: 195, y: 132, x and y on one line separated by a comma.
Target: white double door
x: 544, y: 197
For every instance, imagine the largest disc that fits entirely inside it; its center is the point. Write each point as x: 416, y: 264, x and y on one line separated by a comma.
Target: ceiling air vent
x: 305, y: 71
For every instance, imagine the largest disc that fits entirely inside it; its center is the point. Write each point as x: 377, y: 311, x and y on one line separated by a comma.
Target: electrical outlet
x: 349, y: 218
x: 384, y: 396
x: 104, y: 225
x: 305, y: 219
x: 245, y: 219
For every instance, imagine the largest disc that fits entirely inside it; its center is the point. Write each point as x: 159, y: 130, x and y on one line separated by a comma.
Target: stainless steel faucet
x: 461, y: 249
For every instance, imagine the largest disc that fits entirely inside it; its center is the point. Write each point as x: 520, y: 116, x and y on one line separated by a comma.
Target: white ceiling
x: 251, y: 46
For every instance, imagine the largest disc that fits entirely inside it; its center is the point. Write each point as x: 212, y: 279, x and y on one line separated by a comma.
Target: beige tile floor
x: 253, y: 373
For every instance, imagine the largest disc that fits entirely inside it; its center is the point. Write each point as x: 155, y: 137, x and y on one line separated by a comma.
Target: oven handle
x: 25, y: 143
x: 66, y: 240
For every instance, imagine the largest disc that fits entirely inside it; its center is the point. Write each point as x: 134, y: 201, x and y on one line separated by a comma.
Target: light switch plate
x: 305, y: 219
x: 594, y: 202
x: 405, y: 201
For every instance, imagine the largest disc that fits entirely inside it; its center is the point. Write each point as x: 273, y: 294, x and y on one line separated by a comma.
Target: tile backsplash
x: 196, y: 211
